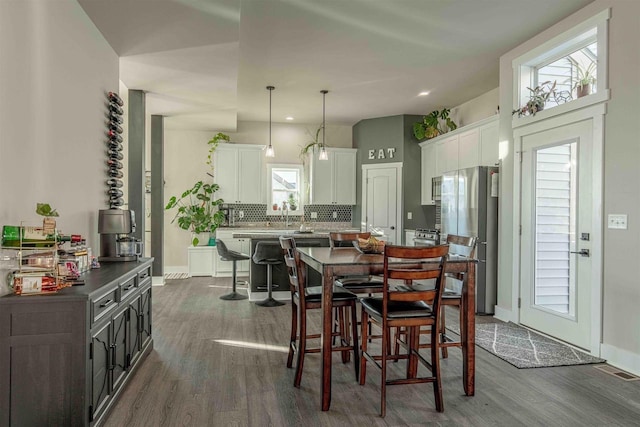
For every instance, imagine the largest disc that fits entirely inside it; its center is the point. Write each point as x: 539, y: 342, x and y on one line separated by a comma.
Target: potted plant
x: 537, y: 99
x: 198, y: 211
x: 213, y: 144
x: 293, y: 203
x: 584, y: 79
x: 433, y: 124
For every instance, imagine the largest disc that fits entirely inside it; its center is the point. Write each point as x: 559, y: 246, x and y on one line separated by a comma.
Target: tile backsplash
x: 258, y: 213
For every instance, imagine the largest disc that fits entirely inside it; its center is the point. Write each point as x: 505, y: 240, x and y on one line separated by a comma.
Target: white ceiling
x: 206, y: 63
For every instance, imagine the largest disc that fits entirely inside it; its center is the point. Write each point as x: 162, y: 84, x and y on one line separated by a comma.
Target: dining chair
x: 404, y: 306
x: 357, y: 284
x: 233, y: 256
x: 458, y: 245
x: 305, y: 298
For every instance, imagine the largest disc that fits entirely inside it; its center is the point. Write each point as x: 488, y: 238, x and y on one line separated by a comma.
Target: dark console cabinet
x: 64, y: 358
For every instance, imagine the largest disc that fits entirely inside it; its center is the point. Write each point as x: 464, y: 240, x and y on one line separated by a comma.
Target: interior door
x: 382, y: 202
x: 556, y: 208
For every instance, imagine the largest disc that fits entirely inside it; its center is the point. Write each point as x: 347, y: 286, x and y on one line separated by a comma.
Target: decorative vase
x: 202, y: 239
x: 583, y: 90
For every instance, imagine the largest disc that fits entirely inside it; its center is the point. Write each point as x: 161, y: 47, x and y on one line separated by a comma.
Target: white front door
x: 557, y: 232
x: 381, y: 195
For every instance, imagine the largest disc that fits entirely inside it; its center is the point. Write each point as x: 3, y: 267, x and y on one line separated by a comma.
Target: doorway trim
x: 596, y: 113
x: 399, y: 219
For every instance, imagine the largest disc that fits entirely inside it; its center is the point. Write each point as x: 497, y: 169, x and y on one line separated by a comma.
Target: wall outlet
x: 409, y: 215
x: 314, y: 215
x: 335, y: 215
x: 617, y: 221
x: 240, y: 214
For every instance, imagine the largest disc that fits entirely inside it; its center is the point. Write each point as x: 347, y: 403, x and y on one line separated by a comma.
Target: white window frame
x: 525, y: 65
x: 300, y: 169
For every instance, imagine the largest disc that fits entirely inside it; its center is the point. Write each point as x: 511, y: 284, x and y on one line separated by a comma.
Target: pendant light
x: 270, y: 151
x: 323, y: 151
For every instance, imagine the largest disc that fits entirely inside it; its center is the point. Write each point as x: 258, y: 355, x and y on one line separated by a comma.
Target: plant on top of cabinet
x: 537, y: 99
x: 213, y: 144
x: 433, y: 124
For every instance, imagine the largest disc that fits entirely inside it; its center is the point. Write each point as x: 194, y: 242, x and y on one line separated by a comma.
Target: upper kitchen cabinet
x: 465, y: 147
x: 238, y: 170
x: 333, y: 181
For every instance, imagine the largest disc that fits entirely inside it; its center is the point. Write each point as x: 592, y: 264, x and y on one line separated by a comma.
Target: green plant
x: 293, y: 202
x: 584, y: 75
x: 311, y: 145
x: 433, y: 124
x: 44, y: 209
x: 198, y: 209
x: 537, y: 99
x: 213, y: 144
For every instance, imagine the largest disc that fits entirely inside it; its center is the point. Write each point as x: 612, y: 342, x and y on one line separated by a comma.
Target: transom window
x: 285, y: 184
x: 570, y: 66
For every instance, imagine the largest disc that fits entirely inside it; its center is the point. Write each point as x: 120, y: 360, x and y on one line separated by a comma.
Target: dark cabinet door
x: 119, y: 348
x: 135, y: 323
x: 145, y: 307
x: 100, y: 354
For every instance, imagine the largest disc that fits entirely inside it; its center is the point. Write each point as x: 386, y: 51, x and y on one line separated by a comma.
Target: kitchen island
x: 258, y: 273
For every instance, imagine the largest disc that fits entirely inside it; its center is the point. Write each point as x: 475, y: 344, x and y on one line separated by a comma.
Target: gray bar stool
x: 269, y: 254
x: 234, y: 257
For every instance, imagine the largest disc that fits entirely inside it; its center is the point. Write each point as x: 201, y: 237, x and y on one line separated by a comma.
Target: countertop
x: 277, y: 233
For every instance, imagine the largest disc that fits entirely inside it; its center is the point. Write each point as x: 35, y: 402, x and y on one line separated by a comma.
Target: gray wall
x: 55, y: 71
x: 393, y: 132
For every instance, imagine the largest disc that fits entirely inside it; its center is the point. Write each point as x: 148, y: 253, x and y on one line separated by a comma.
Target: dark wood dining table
x: 332, y: 262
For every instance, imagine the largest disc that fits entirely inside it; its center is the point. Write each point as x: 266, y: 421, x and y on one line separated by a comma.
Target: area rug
x: 526, y: 349
x: 172, y: 276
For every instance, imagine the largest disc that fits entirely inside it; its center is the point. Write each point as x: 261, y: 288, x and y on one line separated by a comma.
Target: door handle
x: 582, y: 252
x: 392, y: 227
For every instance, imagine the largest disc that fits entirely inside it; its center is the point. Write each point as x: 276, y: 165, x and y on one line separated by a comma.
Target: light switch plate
x: 335, y: 214
x: 314, y: 215
x: 617, y: 221
x: 240, y: 214
x: 409, y: 215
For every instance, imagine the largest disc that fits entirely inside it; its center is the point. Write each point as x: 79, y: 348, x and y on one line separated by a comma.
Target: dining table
x: 346, y: 261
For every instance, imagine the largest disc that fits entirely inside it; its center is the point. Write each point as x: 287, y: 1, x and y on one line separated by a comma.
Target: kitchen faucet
x: 285, y: 210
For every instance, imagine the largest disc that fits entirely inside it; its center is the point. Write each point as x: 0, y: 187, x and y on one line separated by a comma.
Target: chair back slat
x: 411, y: 263
x: 288, y: 245
x: 462, y: 242
x: 340, y: 237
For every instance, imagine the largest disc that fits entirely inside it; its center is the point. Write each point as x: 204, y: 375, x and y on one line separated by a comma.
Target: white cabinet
x: 489, y: 145
x: 238, y: 170
x: 201, y: 260
x: 427, y: 172
x: 446, y: 155
x: 468, y: 149
x: 224, y: 268
x: 333, y: 181
x: 408, y: 237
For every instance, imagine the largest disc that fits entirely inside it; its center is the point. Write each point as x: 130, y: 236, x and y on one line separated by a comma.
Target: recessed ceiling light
x: 289, y: 118
x: 424, y: 93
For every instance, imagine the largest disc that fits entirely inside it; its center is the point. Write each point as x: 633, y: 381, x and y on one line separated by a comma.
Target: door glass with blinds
x: 556, y: 203
x: 555, y: 237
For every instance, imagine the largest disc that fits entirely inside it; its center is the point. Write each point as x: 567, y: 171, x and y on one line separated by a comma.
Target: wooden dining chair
x: 404, y: 306
x: 458, y: 245
x: 357, y: 284
x: 305, y: 298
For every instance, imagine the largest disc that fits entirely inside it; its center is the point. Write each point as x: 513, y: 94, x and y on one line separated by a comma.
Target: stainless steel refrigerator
x: 469, y: 207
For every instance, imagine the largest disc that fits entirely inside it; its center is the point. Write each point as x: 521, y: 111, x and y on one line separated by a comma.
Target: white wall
x: 621, y: 297
x: 476, y: 109
x: 185, y: 154
x: 55, y: 69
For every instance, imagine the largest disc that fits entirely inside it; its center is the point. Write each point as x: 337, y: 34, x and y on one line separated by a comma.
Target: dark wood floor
x: 222, y: 363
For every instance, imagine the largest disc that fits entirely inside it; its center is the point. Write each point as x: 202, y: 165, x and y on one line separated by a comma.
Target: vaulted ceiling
x: 206, y: 63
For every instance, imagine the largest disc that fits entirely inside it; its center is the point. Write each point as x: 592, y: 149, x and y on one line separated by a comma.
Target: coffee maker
x: 116, y: 244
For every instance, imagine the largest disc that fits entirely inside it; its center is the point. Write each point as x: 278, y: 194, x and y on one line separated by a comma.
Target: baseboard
x: 622, y: 359
x: 503, y: 314
x: 259, y: 296
x: 157, y: 281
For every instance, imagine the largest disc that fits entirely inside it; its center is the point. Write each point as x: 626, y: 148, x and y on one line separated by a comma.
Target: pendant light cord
x: 324, y: 129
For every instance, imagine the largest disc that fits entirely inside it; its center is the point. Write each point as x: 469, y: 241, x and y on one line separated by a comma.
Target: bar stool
x: 269, y: 254
x: 234, y: 257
